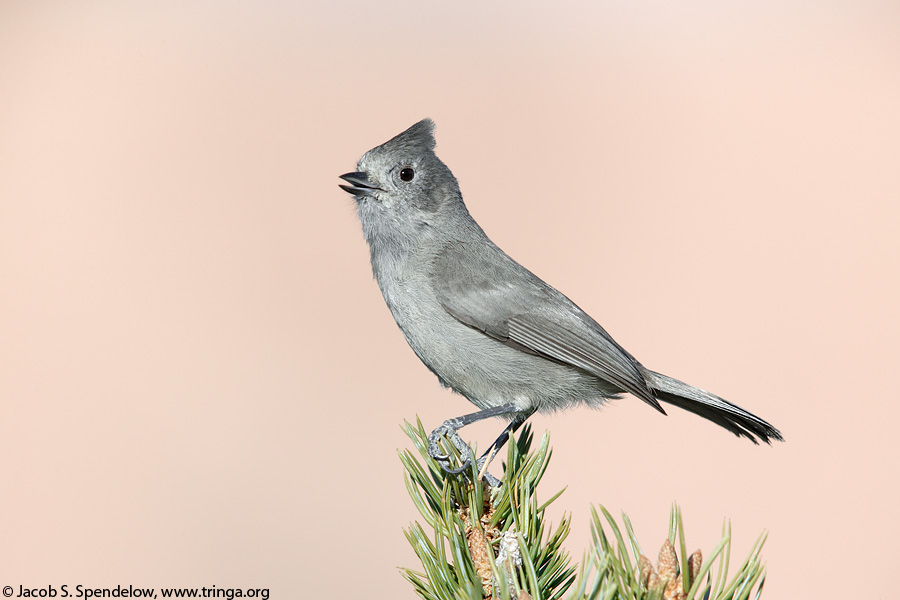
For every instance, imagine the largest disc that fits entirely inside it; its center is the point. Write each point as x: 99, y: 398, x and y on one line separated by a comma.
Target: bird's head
x: 402, y: 182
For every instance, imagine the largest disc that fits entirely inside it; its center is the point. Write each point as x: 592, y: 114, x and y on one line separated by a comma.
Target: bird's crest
x: 420, y: 135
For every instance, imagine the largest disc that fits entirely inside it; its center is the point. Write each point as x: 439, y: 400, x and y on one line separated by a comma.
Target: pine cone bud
x: 694, y: 563
x: 674, y: 589
x: 482, y: 556
x: 668, y: 562
x: 646, y: 570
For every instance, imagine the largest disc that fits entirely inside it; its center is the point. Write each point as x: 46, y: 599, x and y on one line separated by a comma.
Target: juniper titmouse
x: 485, y: 325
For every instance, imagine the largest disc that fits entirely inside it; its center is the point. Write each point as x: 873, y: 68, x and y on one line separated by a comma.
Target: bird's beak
x: 361, y: 186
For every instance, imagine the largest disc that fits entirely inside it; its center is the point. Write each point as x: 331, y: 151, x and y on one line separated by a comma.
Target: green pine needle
x: 496, y: 542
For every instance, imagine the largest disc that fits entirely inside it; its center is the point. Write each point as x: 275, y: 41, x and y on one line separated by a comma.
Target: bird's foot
x: 448, y: 429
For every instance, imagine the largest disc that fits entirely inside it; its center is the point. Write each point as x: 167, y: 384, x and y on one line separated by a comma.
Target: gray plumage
x: 485, y: 325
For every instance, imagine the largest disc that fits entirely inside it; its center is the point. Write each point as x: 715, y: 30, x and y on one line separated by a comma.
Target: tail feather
x: 709, y: 406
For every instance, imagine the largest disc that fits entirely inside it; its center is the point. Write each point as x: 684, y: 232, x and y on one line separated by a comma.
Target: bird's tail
x: 709, y: 406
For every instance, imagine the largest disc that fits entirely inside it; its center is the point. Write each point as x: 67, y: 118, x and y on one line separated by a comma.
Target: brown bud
x: 668, y: 562
x: 646, y: 570
x: 694, y: 563
x: 479, y: 550
x: 674, y: 589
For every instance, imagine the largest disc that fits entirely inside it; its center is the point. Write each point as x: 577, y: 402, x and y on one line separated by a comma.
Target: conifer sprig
x: 485, y: 542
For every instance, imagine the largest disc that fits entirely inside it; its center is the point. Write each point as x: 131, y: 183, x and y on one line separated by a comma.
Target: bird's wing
x: 490, y: 292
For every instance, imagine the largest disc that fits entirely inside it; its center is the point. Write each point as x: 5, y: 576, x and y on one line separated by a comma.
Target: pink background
x: 200, y: 383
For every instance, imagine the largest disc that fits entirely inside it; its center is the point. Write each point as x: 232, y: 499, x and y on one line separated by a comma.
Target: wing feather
x: 492, y: 293
x: 603, y: 359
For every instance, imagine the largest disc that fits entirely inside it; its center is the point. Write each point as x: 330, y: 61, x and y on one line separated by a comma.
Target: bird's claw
x: 448, y: 429
x: 465, y: 467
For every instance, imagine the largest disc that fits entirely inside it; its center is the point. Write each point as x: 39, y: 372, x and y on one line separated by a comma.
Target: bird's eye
x: 407, y: 174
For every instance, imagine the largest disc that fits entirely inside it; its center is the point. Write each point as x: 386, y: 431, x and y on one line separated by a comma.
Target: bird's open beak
x: 361, y: 186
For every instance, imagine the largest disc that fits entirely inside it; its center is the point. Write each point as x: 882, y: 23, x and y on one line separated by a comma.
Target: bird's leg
x: 449, y: 429
x: 492, y: 450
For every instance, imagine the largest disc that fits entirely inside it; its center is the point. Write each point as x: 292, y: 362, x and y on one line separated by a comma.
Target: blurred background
x: 200, y: 383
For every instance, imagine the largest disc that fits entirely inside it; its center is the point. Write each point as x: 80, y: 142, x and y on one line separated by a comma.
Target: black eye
x: 407, y: 174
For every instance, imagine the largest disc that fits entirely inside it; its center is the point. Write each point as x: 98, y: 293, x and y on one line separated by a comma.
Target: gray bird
x: 488, y: 327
